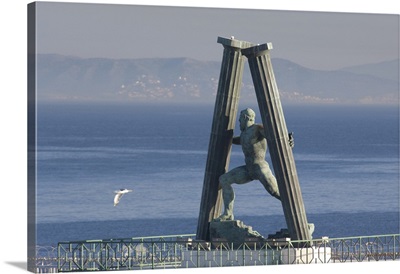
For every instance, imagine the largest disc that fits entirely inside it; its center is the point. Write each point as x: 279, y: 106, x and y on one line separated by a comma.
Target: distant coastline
x: 68, y: 78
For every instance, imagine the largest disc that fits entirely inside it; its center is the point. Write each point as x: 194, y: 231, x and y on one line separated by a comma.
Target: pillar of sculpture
x: 278, y: 140
x: 223, y: 124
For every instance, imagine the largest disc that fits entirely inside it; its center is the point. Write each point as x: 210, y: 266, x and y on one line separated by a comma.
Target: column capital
x: 234, y: 43
x: 257, y: 50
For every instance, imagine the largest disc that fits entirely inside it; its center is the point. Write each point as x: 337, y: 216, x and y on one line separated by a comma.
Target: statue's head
x: 247, y: 118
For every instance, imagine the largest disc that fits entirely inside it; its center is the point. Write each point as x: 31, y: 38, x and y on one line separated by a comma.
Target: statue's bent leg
x: 237, y: 175
x: 269, y: 182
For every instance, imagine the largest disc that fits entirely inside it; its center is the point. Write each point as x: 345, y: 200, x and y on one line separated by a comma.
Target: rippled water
x: 347, y: 160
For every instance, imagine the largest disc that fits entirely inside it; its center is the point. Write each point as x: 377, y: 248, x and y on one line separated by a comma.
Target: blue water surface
x: 347, y: 159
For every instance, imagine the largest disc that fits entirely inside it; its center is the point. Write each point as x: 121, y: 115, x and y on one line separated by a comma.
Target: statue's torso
x: 254, y: 145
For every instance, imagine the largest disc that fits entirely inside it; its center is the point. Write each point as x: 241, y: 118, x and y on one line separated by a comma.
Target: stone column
x: 278, y: 140
x: 223, y: 124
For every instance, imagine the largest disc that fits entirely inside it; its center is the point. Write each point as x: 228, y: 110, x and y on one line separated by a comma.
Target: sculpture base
x: 235, y: 232
x: 284, y: 233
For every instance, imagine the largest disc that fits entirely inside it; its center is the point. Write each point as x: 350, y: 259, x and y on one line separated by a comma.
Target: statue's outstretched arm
x: 236, y: 140
x: 261, y: 131
x: 290, y: 136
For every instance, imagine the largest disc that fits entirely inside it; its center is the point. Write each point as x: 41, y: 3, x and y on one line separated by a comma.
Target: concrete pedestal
x: 310, y: 255
x: 248, y: 257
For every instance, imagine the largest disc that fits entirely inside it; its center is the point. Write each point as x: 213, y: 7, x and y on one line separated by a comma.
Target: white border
x: 13, y: 121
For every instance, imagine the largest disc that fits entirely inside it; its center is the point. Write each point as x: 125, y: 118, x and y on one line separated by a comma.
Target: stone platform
x: 235, y: 232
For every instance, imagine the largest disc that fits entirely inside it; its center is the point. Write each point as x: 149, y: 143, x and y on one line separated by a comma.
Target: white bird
x: 119, y: 194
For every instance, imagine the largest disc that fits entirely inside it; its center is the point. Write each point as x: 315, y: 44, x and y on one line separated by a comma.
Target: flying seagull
x: 119, y: 194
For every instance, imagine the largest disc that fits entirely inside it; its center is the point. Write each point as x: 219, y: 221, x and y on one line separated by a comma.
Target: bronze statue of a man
x: 254, y: 146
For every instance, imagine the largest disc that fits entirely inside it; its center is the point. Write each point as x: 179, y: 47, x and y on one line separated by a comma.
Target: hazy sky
x: 320, y: 40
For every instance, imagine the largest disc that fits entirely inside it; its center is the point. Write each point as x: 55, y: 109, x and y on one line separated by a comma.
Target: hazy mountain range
x: 183, y: 79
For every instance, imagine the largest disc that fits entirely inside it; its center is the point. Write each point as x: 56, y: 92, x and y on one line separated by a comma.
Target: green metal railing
x: 340, y: 250
x: 116, y: 254
x: 177, y: 251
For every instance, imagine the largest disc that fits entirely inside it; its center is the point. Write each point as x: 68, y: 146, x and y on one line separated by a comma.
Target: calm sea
x: 347, y: 160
